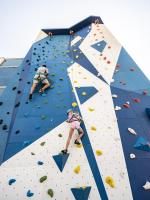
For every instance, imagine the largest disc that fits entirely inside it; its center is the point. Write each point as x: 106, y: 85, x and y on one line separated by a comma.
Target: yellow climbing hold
x: 99, y: 152
x: 93, y: 128
x: 74, y: 104
x: 84, y: 94
x: 91, y: 109
x: 109, y: 180
x: 77, y: 169
x: 78, y: 145
x: 75, y: 81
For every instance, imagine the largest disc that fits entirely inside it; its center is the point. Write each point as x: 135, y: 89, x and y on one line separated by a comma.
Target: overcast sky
x: 128, y: 20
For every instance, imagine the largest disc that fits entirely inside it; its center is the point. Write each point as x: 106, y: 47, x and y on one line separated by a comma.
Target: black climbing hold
x: 8, y: 113
x: 34, y: 48
x: 28, y: 82
x: 27, y: 61
x: 4, y: 127
x: 18, y: 73
x: 17, y: 105
x: 14, y: 88
x: 1, y: 121
x: 34, y: 53
x: 20, y: 79
x: 19, y: 92
x: 35, y: 69
x: 17, y: 132
x: 1, y: 103
x: 26, y: 102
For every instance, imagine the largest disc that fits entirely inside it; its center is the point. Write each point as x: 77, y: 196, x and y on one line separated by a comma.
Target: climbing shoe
x: 30, y: 96
x: 77, y: 142
x: 64, y: 151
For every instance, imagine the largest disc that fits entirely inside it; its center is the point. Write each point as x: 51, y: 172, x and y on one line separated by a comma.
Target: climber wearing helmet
x: 40, y: 76
x: 74, y: 119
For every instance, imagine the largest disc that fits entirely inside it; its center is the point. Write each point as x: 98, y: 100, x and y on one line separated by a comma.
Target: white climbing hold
x: 132, y: 131
x: 147, y: 185
x: 132, y: 156
x: 114, y: 95
x: 112, y: 80
x: 128, y: 102
x: 117, y: 108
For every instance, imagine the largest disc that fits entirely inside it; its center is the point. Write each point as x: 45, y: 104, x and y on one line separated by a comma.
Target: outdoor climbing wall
x: 91, y: 73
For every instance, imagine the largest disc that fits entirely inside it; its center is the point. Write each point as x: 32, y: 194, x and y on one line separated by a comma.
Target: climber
x: 74, y: 119
x: 40, y: 76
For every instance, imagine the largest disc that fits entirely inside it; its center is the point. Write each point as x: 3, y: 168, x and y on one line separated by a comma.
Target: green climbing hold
x: 50, y: 192
x: 42, y: 179
x: 42, y: 143
x: 61, y: 79
x: 43, y: 117
x: 60, y: 135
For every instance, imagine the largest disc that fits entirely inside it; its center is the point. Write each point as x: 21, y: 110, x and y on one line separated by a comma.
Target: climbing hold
x: 126, y: 105
x: 91, y: 109
x: 99, y: 152
x: 37, y: 127
x: 1, y: 121
x: 40, y: 163
x: 17, y: 132
x: 79, y: 145
x: 42, y: 179
x: 77, y: 169
x: 147, y: 185
x: 61, y: 79
x: 29, y: 193
x: 19, y: 92
x: 136, y: 100
x: 59, y: 135
x: 74, y: 104
x: 132, y: 131
x: 142, y: 144
x: 14, y: 88
x: 32, y: 153
x: 17, y: 105
x: 117, y: 108
x: 132, y: 69
x: 132, y: 155
x: 50, y: 192
x: 26, y: 143
x: 93, y: 128
x: 26, y: 115
x: 109, y: 180
x: 145, y: 92
x: 11, y: 181
x: 43, y: 117
x: 114, y: 95
x: 84, y: 93
x: 42, y: 143
x: 147, y: 110
x: 1, y: 103
x: 4, y: 127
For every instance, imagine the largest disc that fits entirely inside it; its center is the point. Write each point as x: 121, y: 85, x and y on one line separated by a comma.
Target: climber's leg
x: 81, y: 133
x: 32, y: 90
x: 68, y: 140
x: 46, y: 85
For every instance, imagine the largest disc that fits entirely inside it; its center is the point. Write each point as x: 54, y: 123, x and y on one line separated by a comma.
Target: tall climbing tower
x: 93, y: 74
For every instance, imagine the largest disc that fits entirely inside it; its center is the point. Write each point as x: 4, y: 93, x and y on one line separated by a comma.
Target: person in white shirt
x: 40, y: 76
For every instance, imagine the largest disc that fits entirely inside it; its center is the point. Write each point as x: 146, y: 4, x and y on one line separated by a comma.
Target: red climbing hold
x: 108, y: 62
x: 109, y: 47
x: 117, y: 66
x: 104, y: 58
x: 136, y: 100
x: 126, y: 105
x: 145, y: 92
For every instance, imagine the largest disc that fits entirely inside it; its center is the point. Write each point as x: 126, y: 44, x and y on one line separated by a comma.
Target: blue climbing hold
x: 26, y: 143
x: 99, y: 46
x: 142, y: 144
x: 11, y: 181
x: 61, y: 160
x: 43, y: 95
x: 40, y: 163
x: 81, y: 193
x: 37, y: 127
x: 29, y: 193
x: 147, y: 110
x: 84, y: 93
x: 26, y: 115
